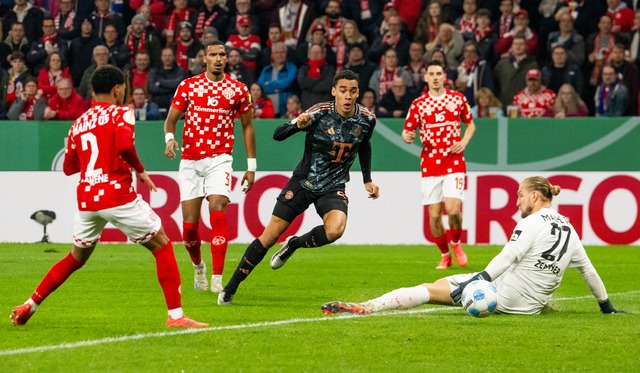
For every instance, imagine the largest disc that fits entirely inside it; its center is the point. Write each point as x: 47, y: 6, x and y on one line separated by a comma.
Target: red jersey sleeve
x: 180, y: 99
x: 71, y: 163
x: 412, y: 121
x: 124, y: 140
x: 244, y: 104
x: 465, y: 112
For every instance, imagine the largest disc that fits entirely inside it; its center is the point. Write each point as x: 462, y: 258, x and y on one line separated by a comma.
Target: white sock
x: 176, y: 313
x: 34, y: 305
x: 399, y: 298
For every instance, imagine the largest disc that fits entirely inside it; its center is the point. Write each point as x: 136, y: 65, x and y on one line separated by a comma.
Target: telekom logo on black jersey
x: 340, y: 151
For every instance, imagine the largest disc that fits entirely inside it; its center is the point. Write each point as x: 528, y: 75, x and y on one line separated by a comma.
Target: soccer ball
x: 480, y: 298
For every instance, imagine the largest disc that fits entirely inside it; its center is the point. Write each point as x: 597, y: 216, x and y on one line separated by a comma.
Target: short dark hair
x: 104, y: 78
x: 483, y: 12
x: 345, y: 74
x: 436, y: 63
x: 215, y: 42
x: 17, y: 55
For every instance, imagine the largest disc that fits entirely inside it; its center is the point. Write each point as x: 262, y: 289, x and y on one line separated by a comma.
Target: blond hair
x: 493, y: 100
x: 543, y: 186
x: 571, y: 107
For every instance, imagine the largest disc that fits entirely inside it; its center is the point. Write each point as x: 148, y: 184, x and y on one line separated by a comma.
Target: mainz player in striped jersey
x: 211, y: 101
x: 437, y: 114
x: 336, y: 132
x: 100, y: 147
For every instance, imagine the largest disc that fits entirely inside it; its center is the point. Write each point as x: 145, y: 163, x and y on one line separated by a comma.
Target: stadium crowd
x: 526, y: 58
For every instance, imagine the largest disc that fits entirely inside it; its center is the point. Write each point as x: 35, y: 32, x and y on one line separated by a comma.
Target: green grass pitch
x: 110, y: 316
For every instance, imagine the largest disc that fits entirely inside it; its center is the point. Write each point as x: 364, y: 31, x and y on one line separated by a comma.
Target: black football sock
x: 251, y: 258
x: 314, y: 238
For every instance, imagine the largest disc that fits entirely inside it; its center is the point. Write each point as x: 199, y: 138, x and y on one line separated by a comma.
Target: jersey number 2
x: 557, y: 229
x: 90, y: 142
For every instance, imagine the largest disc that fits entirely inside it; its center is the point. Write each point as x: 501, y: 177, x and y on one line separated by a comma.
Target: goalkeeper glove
x: 607, y: 307
x: 457, y: 294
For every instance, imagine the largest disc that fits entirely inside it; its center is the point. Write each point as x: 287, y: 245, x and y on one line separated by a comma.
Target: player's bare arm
x: 372, y: 189
x: 460, y: 146
x: 249, y: 137
x: 408, y: 136
x: 145, y: 179
x: 169, y: 132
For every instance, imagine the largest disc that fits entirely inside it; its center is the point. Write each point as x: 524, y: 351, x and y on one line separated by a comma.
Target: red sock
x: 56, y: 276
x: 168, y: 275
x: 219, y: 237
x: 454, y: 235
x: 442, y: 244
x: 191, y: 240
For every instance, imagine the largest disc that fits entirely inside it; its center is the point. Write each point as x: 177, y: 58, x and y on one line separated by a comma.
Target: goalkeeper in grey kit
x: 336, y: 132
x: 526, y: 272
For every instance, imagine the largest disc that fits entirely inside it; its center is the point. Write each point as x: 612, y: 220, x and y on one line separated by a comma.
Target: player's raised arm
x: 169, y: 132
x: 296, y: 125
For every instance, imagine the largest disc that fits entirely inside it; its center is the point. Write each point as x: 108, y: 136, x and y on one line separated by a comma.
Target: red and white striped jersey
x: 210, y: 111
x: 539, y: 104
x: 105, y: 178
x: 438, y: 120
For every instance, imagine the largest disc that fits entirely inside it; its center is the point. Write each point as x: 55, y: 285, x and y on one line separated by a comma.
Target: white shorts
x: 436, y: 188
x: 510, y: 300
x: 203, y: 177
x: 136, y: 220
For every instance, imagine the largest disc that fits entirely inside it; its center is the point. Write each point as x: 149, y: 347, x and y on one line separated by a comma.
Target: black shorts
x: 294, y: 200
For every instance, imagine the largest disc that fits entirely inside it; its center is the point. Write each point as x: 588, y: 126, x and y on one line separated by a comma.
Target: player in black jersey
x: 336, y: 132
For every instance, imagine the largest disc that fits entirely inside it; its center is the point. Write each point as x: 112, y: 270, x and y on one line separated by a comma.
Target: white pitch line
x: 125, y: 338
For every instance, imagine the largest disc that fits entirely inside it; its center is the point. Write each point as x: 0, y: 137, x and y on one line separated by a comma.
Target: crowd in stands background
x: 491, y: 49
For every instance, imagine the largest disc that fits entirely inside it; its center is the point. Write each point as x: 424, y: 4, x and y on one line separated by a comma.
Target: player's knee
x: 334, y: 233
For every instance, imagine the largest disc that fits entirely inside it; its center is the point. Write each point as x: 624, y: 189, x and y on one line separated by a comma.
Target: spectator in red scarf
x: 55, y: 70
x: 295, y: 17
x: 381, y: 79
x: 312, y: 78
x: 466, y: 23
x: 429, y: 22
x: 294, y: 107
x: 181, y: 12
x: 157, y: 11
x: 520, y: 26
x: 67, y: 24
x: 186, y: 47
x: 211, y: 15
x: 139, y: 39
x: 484, y: 38
x: 262, y: 105
x: 29, y: 104
x: 66, y: 104
x: 47, y: 44
x: 332, y: 22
